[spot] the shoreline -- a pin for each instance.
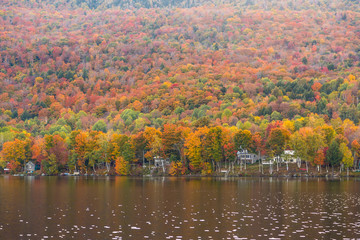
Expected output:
(251, 171)
(294, 176)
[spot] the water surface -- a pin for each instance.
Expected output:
(178, 208)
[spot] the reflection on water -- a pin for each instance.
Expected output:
(178, 208)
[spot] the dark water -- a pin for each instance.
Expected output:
(178, 208)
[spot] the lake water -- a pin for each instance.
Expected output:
(178, 208)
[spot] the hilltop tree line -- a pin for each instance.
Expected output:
(331, 5)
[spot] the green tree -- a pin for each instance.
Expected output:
(100, 126)
(333, 154)
(304, 60)
(214, 146)
(275, 116)
(277, 141)
(50, 165)
(243, 140)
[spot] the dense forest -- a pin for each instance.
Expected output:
(92, 85)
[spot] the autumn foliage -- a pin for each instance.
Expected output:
(87, 86)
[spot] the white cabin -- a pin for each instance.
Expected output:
(287, 157)
(160, 162)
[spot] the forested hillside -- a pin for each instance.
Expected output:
(88, 72)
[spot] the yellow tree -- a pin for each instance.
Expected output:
(306, 143)
(347, 159)
(16, 153)
(328, 133)
(81, 149)
(154, 143)
(194, 144)
(288, 125)
(122, 166)
(193, 151)
(355, 147)
(176, 168)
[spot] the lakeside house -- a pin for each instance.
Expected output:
(287, 157)
(161, 162)
(244, 155)
(29, 167)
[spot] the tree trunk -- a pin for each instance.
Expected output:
(233, 165)
(108, 167)
(259, 161)
(259, 166)
(143, 158)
